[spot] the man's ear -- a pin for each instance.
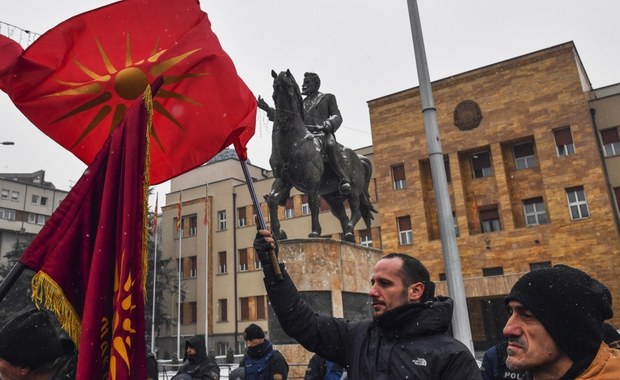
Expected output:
(415, 292)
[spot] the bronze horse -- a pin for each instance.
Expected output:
(298, 160)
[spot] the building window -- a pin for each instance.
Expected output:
(221, 348)
(192, 225)
(495, 271)
(366, 238)
(188, 313)
(289, 209)
(577, 203)
(244, 304)
(4, 194)
(14, 196)
(222, 310)
(564, 141)
(534, 210)
(442, 276)
(446, 164)
(7, 214)
(257, 264)
(36, 219)
(221, 262)
(540, 265)
(405, 233)
(305, 206)
(221, 220)
(261, 310)
(243, 260)
(611, 141)
(481, 164)
(490, 219)
(524, 155)
(398, 177)
(34, 200)
(193, 267)
(323, 205)
(241, 220)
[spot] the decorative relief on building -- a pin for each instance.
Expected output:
(467, 115)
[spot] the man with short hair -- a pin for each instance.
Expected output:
(555, 326)
(405, 339)
(199, 365)
(262, 361)
(323, 118)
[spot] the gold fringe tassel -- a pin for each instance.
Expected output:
(148, 104)
(47, 293)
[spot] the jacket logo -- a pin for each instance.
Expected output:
(419, 361)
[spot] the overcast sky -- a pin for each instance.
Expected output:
(361, 49)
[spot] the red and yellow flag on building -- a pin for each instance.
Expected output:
(77, 80)
(90, 257)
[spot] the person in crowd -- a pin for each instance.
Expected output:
(323, 118)
(555, 327)
(611, 336)
(405, 339)
(262, 361)
(198, 366)
(494, 364)
(31, 349)
(152, 370)
(321, 369)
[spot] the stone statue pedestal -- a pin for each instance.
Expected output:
(334, 277)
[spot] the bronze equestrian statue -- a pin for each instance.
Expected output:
(299, 159)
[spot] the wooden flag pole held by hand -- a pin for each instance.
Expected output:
(260, 220)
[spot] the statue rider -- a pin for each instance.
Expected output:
(321, 116)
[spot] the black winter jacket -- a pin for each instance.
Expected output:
(200, 366)
(406, 342)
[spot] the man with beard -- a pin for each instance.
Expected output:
(405, 339)
(261, 361)
(555, 326)
(199, 366)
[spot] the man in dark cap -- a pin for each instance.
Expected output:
(262, 361)
(555, 326)
(199, 365)
(30, 349)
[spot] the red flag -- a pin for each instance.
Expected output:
(179, 213)
(76, 81)
(90, 256)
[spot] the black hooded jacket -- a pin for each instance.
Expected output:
(199, 366)
(407, 342)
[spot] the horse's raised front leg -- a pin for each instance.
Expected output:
(336, 206)
(278, 195)
(313, 202)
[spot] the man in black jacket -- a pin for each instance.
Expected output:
(405, 339)
(262, 361)
(199, 366)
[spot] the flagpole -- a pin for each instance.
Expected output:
(154, 273)
(206, 224)
(449, 246)
(180, 232)
(260, 219)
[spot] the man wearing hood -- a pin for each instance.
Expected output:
(198, 366)
(405, 339)
(261, 361)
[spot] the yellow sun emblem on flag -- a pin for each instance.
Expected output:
(128, 84)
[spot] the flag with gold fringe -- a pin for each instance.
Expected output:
(90, 257)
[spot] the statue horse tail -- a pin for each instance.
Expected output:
(365, 205)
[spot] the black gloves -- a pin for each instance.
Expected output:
(262, 248)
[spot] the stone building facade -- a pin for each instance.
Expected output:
(526, 179)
